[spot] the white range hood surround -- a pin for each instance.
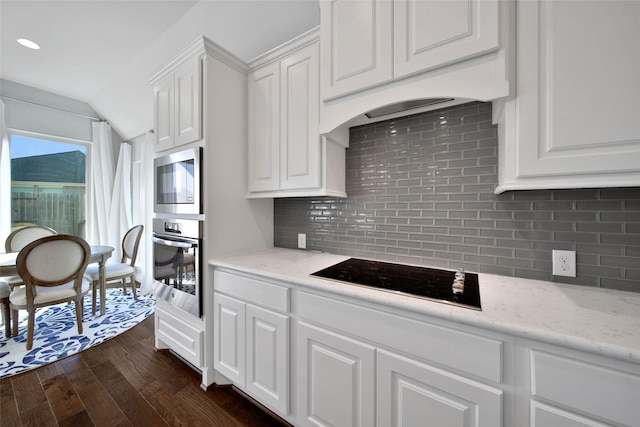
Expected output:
(471, 80)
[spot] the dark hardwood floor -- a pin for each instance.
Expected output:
(123, 382)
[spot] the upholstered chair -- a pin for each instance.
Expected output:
(52, 270)
(123, 270)
(20, 238)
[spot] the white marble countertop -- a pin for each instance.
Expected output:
(594, 320)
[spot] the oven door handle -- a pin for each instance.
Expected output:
(174, 243)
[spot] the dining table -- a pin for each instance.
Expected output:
(99, 254)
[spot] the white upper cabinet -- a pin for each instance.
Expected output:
(434, 33)
(178, 106)
(299, 138)
(356, 45)
(264, 129)
(371, 42)
(287, 155)
(574, 120)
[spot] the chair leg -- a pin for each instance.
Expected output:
(6, 316)
(94, 291)
(133, 287)
(79, 313)
(30, 326)
(14, 315)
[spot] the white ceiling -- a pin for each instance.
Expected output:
(103, 52)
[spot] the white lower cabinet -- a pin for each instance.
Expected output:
(412, 393)
(320, 359)
(351, 371)
(565, 388)
(336, 379)
(251, 343)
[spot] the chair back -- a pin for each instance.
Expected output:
(21, 237)
(53, 261)
(130, 243)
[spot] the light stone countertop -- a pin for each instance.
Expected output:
(594, 320)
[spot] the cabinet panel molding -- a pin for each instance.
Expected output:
(410, 392)
(431, 34)
(335, 379)
(356, 45)
(585, 387)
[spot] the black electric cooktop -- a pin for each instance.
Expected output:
(429, 283)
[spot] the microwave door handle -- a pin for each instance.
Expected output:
(173, 243)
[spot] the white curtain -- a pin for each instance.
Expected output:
(5, 179)
(102, 172)
(120, 218)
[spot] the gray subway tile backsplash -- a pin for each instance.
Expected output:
(421, 192)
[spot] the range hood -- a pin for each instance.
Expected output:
(478, 79)
(404, 107)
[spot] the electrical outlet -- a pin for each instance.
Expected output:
(564, 263)
(302, 241)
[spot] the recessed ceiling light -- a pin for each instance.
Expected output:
(28, 43)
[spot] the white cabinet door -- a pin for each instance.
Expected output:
(433, 33)
(411, 393)
(229, 338)
(268, 357)
(336, 384)
(188, 102)
(264, 129)
(300, 103)
(574, 121)
(164, 123)
(356, 39)
(178, 106)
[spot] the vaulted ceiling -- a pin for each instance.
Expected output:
(103, 52)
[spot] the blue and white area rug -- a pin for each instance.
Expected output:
(56, 333)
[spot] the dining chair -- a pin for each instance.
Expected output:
(52, 269)
(123, 270)
(20, 238)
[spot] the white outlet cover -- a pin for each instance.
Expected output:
(564, 263)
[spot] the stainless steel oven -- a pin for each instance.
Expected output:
(177, 259)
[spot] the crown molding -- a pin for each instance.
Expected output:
(303, 40)
(200, 46)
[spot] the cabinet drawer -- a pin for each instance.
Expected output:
(585, 387)
(254, 291)
(460, 350)
(184, 339)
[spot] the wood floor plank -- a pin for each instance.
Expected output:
(6, 391)
(157, 368)
(38, 416)
(62, 397)
(171, 410)
(9, 414)
(50, 370)
(136, 374)
(134, 406)
(80, 419)
(28, 391)
(98, 402)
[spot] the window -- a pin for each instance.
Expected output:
(48, 183)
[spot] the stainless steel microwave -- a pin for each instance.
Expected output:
(178, 182)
